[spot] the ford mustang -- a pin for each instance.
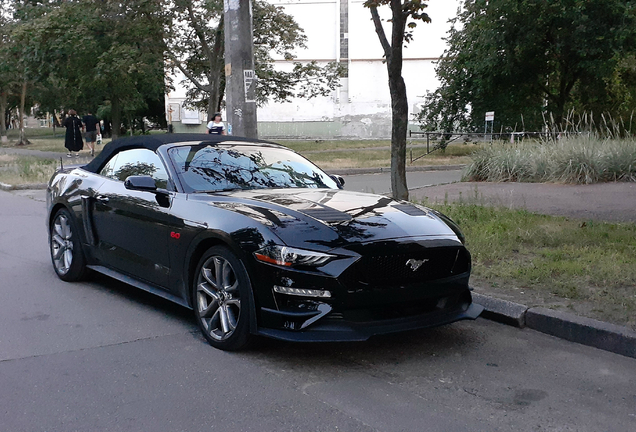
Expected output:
(257, 240)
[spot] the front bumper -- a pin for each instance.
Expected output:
(339, 330)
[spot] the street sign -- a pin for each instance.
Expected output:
(490, 116)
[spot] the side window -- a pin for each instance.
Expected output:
(137, 162)
(108, 170)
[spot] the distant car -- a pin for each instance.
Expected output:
(257, 240)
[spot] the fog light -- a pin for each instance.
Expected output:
(302, 292)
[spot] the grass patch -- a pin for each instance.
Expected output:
(49, 144)
(577, 160)
(363, 158)
(588, 267)
(17, 170)
(320, 145)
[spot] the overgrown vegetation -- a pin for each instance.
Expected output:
(16, 170)
(578, 159)
(588, 267)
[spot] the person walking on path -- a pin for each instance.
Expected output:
(216, 126)
(73, 140)
(90, 131)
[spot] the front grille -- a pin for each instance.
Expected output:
(408, 268)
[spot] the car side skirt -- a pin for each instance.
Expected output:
(139, 284)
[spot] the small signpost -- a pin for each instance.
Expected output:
(490, 117)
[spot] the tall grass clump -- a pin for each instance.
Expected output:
(578, 159)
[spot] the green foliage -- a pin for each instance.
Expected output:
(577, 159)
(81, 54)
(591, 261)
(195, 46)
(525, 58)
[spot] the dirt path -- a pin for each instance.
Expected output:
(614, 202)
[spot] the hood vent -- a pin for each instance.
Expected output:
(410, 210)
(326, 214)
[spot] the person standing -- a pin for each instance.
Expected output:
(73, 140)
(90, 131)
(216, 126)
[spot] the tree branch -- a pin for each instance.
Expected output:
(200, 32)
(192, 78)
(380, 31)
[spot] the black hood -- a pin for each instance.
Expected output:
(330, 217)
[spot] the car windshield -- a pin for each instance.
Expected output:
(206, 168)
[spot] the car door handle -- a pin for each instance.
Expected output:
(102, 198)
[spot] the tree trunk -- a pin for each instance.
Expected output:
(3, 116)
(399, 104)
(115, 113)
(216, 69)
(23, 140)
(399, 127)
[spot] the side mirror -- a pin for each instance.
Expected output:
(338, 179)
(140, 183)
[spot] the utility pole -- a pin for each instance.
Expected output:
(239, 69)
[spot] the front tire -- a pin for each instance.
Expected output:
(67, 255)
(222, 296)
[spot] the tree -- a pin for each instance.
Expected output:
(526, 59)
(401, 33)
(195, 46)
(86, 53)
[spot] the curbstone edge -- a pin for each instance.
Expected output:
(9, 187)
(586, 331)
(502, 311)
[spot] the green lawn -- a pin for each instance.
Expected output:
(584, 266)
(17, 170)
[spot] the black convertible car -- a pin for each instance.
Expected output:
(257, 240)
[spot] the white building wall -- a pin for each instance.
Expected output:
(362, 106)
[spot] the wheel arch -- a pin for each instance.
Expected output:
(56, 207)
(197, 249)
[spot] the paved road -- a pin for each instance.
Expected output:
(381, 183)
(101, 356)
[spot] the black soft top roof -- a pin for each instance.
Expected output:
(153, 142)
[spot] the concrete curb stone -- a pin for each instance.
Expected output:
(574, 328)
(9, 187)
(502, 311)
(587, 331)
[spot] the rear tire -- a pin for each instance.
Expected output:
(67, 255)
(222, 299)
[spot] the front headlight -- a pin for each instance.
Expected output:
(289, 256)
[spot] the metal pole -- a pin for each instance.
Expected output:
(239, 69)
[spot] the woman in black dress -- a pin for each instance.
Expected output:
(73, 141)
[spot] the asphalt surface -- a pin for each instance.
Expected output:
(102, 356)
(381, 183)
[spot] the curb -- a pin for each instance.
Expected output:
(574, 328)
(357, 171)
(28, 186)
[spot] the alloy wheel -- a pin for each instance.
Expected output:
(62, 244)
(218, 299)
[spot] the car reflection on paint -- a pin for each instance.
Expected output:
(257, 241)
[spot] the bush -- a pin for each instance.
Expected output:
(580, 159)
